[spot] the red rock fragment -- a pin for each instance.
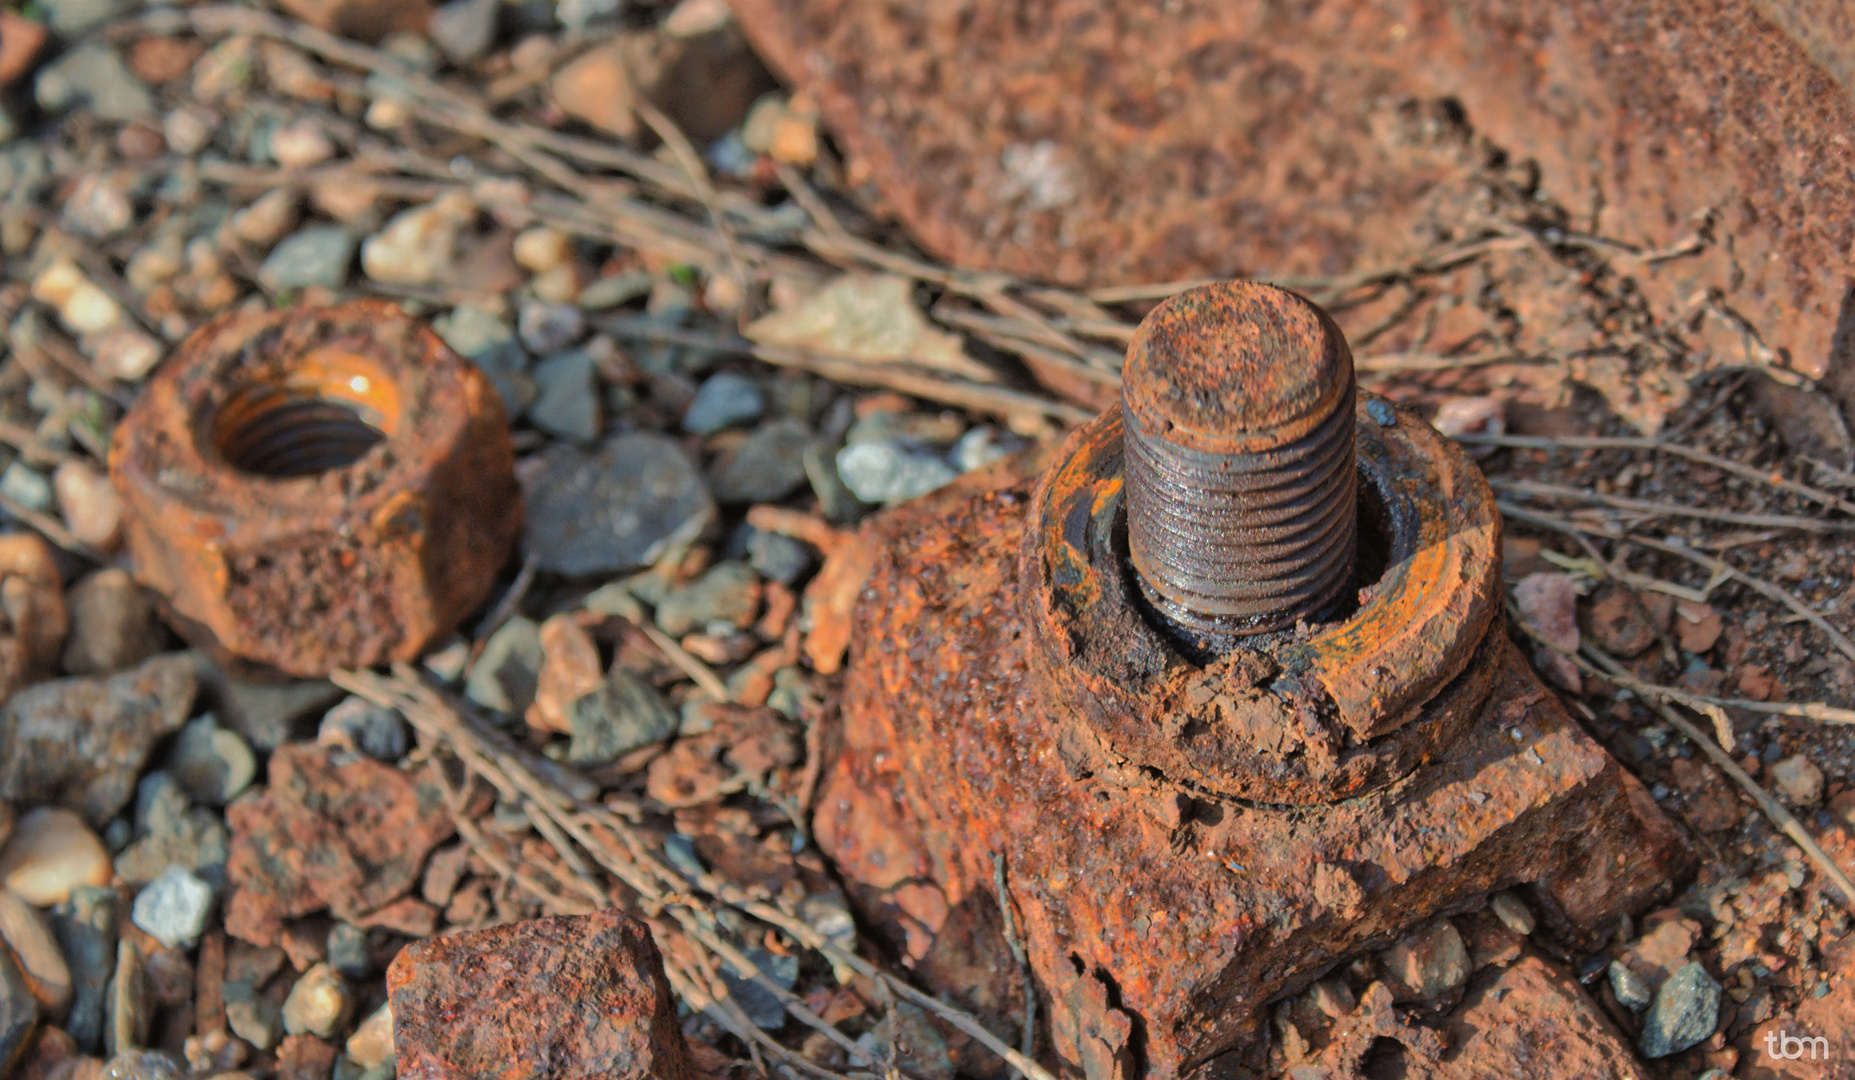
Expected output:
(305, 1057)
(569, 998)
(1532, 1023)
(349, 834)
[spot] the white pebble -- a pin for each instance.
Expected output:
(51, 852)
(172, 908)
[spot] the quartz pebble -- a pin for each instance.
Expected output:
(1513, 913)
(541, 249)
(419, 246)
(1428, 964)
(269, 217)
(1798, 780)
(51, 852)
(126, 353)
(300, 145)
(317, 1003)
(88, 503)
(81, 304)
(172, 908)
(371, 1045)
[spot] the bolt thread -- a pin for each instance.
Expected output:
(1240, 528)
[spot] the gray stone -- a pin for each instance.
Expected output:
(143, 1065)
(19, 1013)
(548, 328)
(79, 743)
(780, 558)
(767, 467)
(729, 592)
(172, 908)
(349, 952)
(613, 509)
(982, 446)
(762, 1005)
(268, 714)
(93, 72)
(724, 400)
(358, 725)
(608, 292)
(252, 1016)
(26, 486)
(1686, 1010)
(319, 256)
(624, 714)
(86, 926)
(487, 341)
(836, 501)
(172, 832)
(567, 402)
(465, 29)
(1428, 964)
(883, 472)
(113, 624)
(507, 670)
(1630, 990)
(211, 763)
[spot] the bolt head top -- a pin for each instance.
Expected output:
(1236, 367)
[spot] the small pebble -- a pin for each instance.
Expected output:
(724, 400)
(982, 446)
(26, 486)
(348, 952)
(300, 145)
(465, 29)
(51, 852)
(506, 671)
(172, 908)
(1686, 1010)
(1427, 964)
(1630, 990)
(126, 353)
(729, 592)
(88, 502)
(187, 130)
(567, 398)
(211, 763)
(548, 328)
(35, 948)
(143, 1065)
(780, 558)
(883, 472)
(252, 1016)
(371, 1045)
(419, 246)
(267, 219)
(358, 725)
(113, 624)
(767, 467)
(82, 305)
(541, 249)
(1798, 779)
(1513, 913)
(317, 1003)
(622, 715)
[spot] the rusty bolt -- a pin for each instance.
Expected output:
(318, 488)
(1237, 407)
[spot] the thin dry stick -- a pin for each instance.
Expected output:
(1028, 1042)
(1808, 710)
(1657, 507)
(691, 162)
(1581, 442)
(1773, 809)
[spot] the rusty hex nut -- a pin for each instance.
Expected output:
(316, 489)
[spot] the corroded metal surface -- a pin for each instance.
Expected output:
(1161, 917)
(317, 489)
(1104, 143)
(1237, 412)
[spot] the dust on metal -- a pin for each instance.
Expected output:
(318, 488)
(1237, 415)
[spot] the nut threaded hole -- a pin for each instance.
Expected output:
(324, 415)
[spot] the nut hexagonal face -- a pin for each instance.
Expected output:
(319, 488)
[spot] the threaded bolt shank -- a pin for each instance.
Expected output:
(1237, 414)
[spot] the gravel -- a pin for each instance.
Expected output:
(172, 909)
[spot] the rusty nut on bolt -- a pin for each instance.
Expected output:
(317, 489)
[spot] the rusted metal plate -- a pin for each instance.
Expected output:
(1109, 141)
(1159, 918)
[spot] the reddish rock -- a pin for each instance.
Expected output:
(363, 20)
(349, 834)
(305, 1057)
(20, 41)
(1830, 1017)
(1616, 619)
(1532, 1023)
(569, 998)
